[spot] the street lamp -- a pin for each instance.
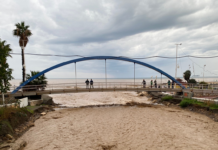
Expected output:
(176, 59)
(3, 96)
(203, 72)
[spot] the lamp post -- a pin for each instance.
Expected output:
(176, 59)
(203, 72)
(3, 96)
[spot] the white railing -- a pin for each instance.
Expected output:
(110, 85)
(80, 85)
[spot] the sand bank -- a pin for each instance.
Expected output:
(122, 128)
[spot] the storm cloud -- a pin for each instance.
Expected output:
(138, 28)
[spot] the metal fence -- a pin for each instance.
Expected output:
(110, 85)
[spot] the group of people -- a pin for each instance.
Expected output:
(155, 83)
(172, 84)
(89, 83)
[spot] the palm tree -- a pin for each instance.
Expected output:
(187, 75)
(38, 83)
(23, 33)
(5, 71)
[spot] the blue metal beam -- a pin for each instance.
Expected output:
(98, 58)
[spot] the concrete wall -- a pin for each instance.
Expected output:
(23, 102)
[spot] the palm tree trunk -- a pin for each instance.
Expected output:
(23, 64)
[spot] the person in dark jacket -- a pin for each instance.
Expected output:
(144, 83)
(91, 84)
(87, 83)
(173, 84)
(155, 83)
(151, 83)
(168, 83)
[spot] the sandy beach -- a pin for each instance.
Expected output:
(120, 127)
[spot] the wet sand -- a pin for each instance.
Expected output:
(122, 128)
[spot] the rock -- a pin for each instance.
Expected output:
(150, 99)
(4, 138)
(18, 145)
(47, 99)
(16, 130)
(5, 146)
(168, 104)
(1, 140)
(31, 124)
(23, 144)
(11, 141)
(24, 128)
(43, 113)
(9, 136)
(154, 101)
(35, 102)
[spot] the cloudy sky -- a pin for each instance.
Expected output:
(138, 28)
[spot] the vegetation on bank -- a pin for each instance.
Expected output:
(192, 102)
(10, 118)
(5, 71)
(167, 98)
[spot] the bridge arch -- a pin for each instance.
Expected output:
(98, 58)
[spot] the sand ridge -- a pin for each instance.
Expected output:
(122, 128)
(132, 128)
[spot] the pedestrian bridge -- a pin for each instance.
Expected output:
(25, 90)
(105, 87)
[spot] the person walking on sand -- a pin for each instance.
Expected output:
(155, 83)
(91, 84)
(87, 83)
(151, 83)
(168, 84)
(144, 83)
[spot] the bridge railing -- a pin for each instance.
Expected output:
(203, 86)
(104, 85)
(109, 85)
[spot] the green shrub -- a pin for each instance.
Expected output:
(167, 98)
(192, 81)
(185, 103)
(213, 106)
(10, 118)
(202, 82)
(189, 102)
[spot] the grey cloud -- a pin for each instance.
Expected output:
(137, 28)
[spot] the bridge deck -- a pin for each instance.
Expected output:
(61, 91)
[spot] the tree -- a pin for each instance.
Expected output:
(5, 71)
(23, 33)
(187, 75)
(40, 81)
(192, 81)
(202, 82)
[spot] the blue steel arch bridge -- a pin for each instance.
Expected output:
(103, 87)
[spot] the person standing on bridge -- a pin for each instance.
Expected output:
(155, 83)
(91, 84)
(144, 83)
(87, 83)
(173, 84)
(168, 83)
(151, 83)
